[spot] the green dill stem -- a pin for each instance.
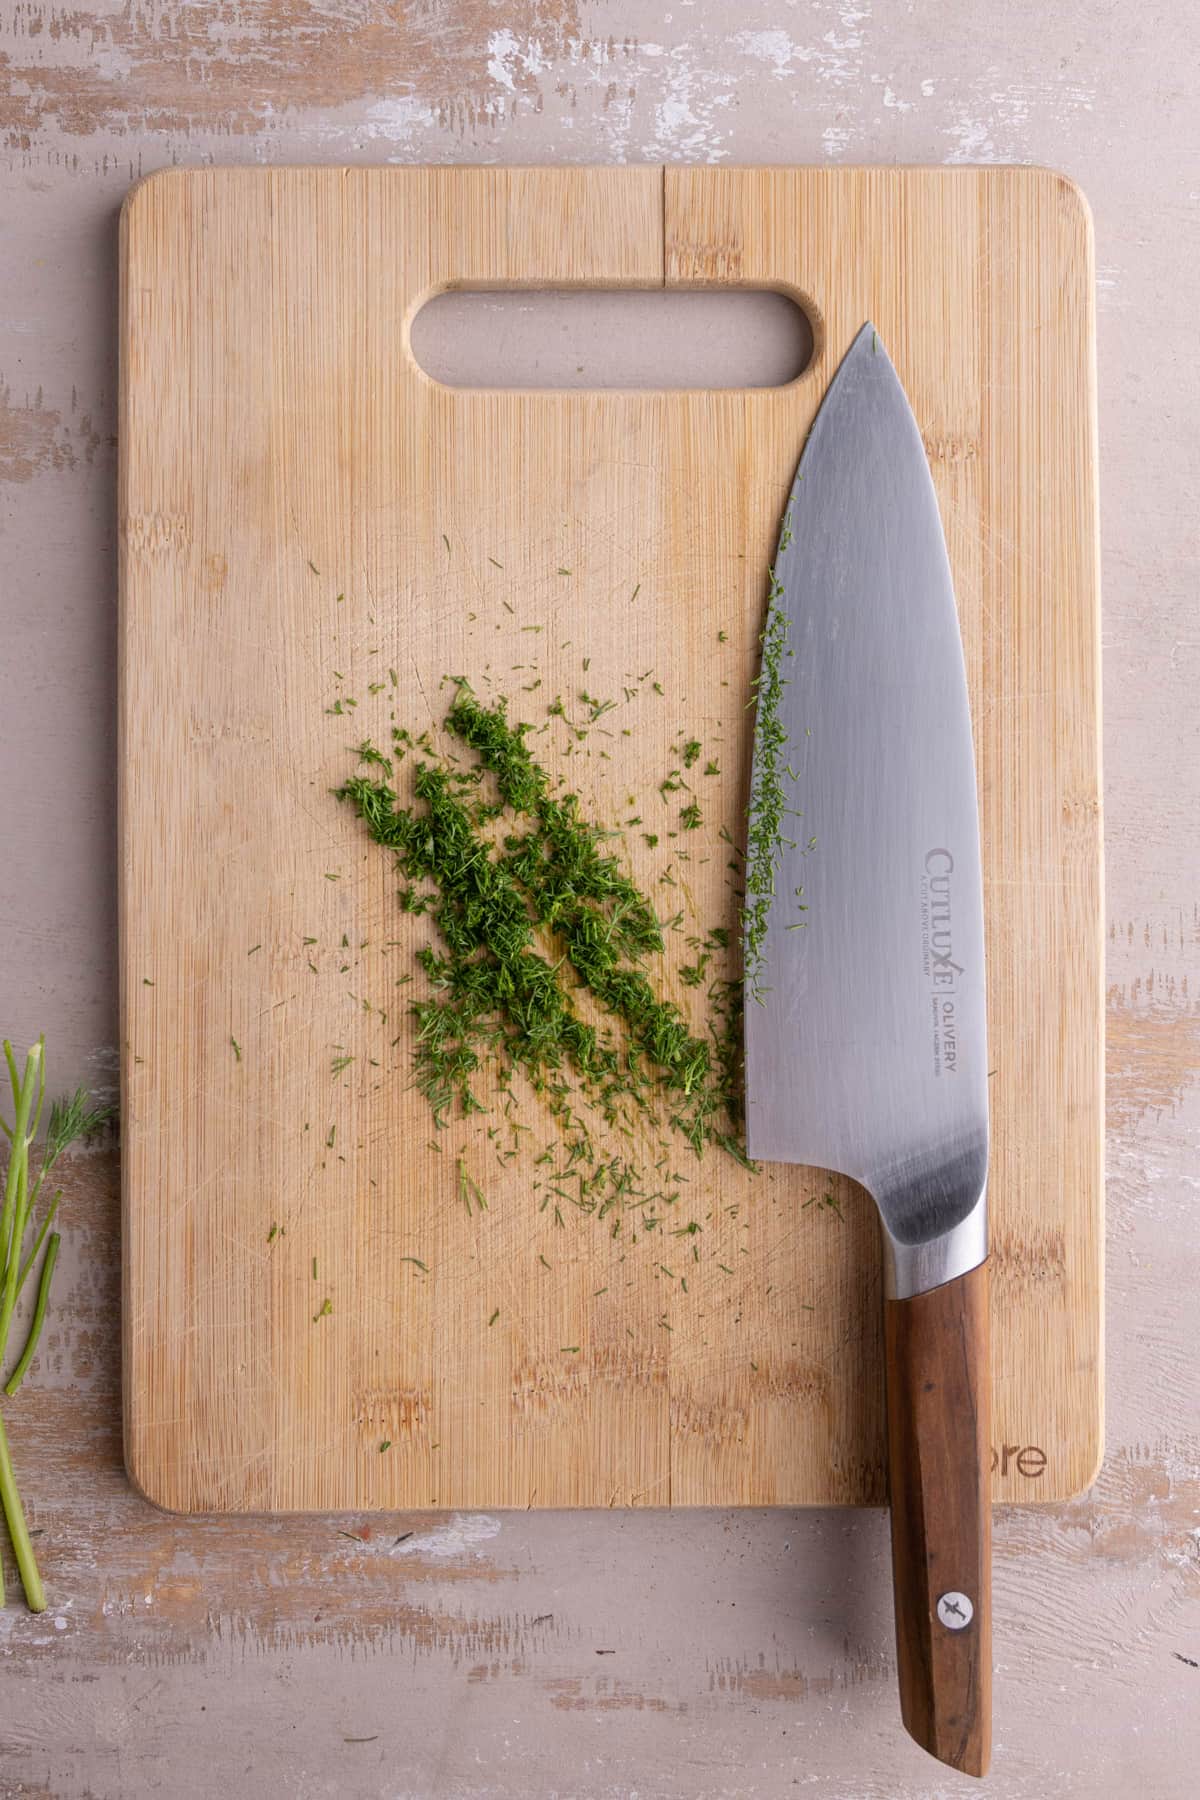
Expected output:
(70, 1118)
(14, 1512)
(39, 1313)
(16, 1189)
(38, 1241)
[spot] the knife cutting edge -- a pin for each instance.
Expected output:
(865, 1028)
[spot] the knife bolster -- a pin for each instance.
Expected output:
(917, 1268)
(938, 1409)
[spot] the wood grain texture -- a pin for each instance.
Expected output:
(939, 1450)
(302, 511)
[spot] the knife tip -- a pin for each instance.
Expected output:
(868, 341)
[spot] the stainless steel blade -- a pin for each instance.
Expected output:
(866, 1052)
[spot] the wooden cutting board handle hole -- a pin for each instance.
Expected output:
(612, 338)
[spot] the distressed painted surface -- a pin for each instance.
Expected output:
(622, 1654)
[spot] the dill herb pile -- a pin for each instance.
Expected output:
(540, 965)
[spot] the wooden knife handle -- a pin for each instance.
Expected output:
(939, 1462)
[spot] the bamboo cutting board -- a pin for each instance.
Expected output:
(313, 1318)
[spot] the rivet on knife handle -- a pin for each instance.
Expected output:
(939, 1467)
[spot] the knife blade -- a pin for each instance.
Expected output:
(865, 1027)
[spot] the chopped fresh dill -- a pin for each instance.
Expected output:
(541, 960)
(827, 1202)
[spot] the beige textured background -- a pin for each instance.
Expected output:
(593, 1655)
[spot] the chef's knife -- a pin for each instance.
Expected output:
(865, 1025)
